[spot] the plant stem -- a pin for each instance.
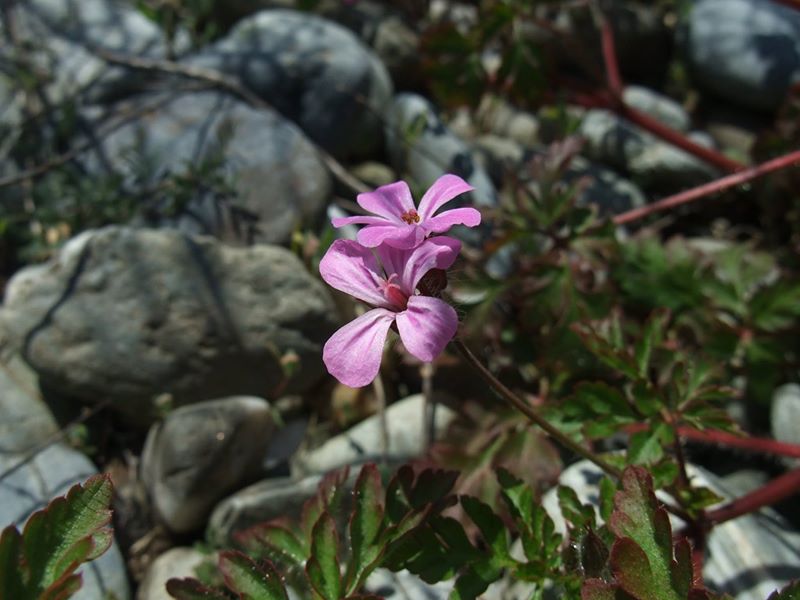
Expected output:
(532, 415)
(787, 160)
(723, 438)
(774, 491)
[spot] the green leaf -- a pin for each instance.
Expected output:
(607, 346)
(323, 566)
(642, 555)
(601, 409)
(275, 541)
(250, 580)
(365, 524)
(647, 447)
(651, 337)
(575, 513)
(71, 530)
(328, 497)
(191, 589)
(490, 525)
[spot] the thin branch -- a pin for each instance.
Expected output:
(613, 77)
(787, 160)
(776, 490)
(795, 4)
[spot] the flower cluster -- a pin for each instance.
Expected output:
(384, 268)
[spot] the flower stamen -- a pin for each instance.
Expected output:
(410, 216)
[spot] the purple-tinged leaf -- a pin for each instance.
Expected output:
(250, 580)
(191, 589)
(11, 584)
(323, 566)
(365, 525)
(328, 496)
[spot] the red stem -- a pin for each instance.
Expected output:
(613, 76)
(676, 138)
(724, 438)
(787, 160)
(776, 490)
(795, 4)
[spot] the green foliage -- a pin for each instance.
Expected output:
(42, 561)
(644, 564)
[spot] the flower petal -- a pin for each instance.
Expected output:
(457, 216)
(358, 220)
(353, 353)
(351, 268)
(389, 201)
(439, 252)
(443, 190)
(398, 236)
(426, 326)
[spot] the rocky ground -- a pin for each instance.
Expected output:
(192, 331)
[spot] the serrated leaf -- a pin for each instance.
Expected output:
(601, 409)
(490, 525)
(608, 348)
(323, 566)
(328, 497)
(274, 541)
(577, 514)
(642, 555)
(250, 580)
(71, 530)
(431, 486)
(365, 525)
(191, 589)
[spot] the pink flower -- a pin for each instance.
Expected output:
(425, 324)
(399, 223)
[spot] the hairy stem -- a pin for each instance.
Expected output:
(531, 414)
(713, 187)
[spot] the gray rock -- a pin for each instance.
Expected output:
(25, 419)
(499, 155)
(405, 586)
(177, 562)
(131, 314)
(201, 452)
(48, 474)
(276, 177)
(374, 174)
(611, 193)
(785, 414)
(419, 144)
(658, 106)
(747, 51)
(66, 33)
(262, 501)
(363, 442)
(652, 163)
(312, 70)
(748, 557)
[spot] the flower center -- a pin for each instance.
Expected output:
(393, 293)
(410, 216)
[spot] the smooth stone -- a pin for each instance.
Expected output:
(257, 503)
(25, 418)
(609, 191)
(418, 143)
(662, 108)
(374, 174)
(616, 142)
(785, 415)
(312, 70)
(133, 314)
(499, 155)
(179, 562)
(201, 452)
(363, 442)
(276, 176)
(748, 557)
(498, 116)
(746, 51)
(51, 473)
